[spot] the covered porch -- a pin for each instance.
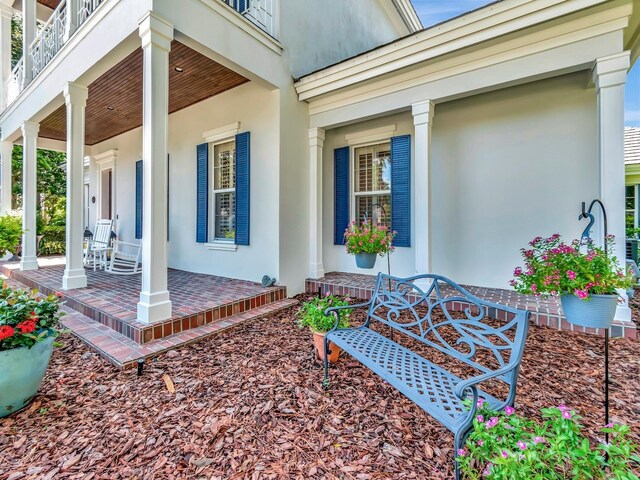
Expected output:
(104, 314)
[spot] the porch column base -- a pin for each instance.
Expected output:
(74, 279)
(316, 270)
(154, 307)
(29, 263)
(623, 313)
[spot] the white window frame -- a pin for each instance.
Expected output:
(218, 243)
(352, 177)
(636, 214)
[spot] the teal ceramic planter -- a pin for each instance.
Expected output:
(366, 260)
(21, 373)
(597, 312)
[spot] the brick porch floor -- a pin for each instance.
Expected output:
(103, 315)
(546, 313)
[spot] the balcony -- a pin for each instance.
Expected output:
(62, 24)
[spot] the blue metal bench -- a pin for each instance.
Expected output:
(403, 306)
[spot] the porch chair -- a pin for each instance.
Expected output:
(98, 246)
(125, 258)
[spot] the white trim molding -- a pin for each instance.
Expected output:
(222, 246)
(373, 135)
(221, 133)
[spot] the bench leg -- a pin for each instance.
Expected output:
(459, 440)
(325, 382)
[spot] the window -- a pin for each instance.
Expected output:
(224, 191)
(372, 183)
(630, 206)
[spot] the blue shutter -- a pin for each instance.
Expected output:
(341, 191)
(202, 193)
(243, 157)
(241, 5)
(401, 190)
(139, 199)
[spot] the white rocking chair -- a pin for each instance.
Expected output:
(98, 247)
(125, 258)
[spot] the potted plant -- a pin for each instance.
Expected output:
(507, 445)
(28, 327)
(584, 276)
(10, 235)
(367, 240)
(312, 315)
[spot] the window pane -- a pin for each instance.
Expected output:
(373, 168)
(224, 171)
(225, 215)
(368, 207)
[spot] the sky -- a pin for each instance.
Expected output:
(436, 11)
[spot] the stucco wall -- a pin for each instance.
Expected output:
(506, 166)
(256, 109)
(319, 33)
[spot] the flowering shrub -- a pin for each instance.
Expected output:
(26, 319)
(10, 234)
(504, 445)
(312, 315)
(368, 238)
(554, 268)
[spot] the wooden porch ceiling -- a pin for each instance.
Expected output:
(49, 3)
(114, 105)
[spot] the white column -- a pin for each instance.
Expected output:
(316, 142)
(422, 121)
(76, 99)
(156, 36)
(29, 195)
(28, 35)
(71, 20)
(6, 149)
(6, 12)
(609, 77)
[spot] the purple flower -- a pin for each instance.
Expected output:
(480, 402)
(494, 421)
(566, 414)
(487, 471)
(509, 410)
(538, 440)
(610, 425)
(480, 443)
(505, 454)
(562, 407)
(462, 452)
(327, 294)
(522, 445)
(480, 418)
(571, 275)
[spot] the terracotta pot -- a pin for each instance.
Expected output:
(318, 341)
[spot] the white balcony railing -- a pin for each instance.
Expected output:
(258, 12)
(50, 39)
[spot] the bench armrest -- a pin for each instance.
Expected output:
(335, 312)
(471, 383)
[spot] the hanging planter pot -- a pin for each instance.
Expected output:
(597, 312)
(366, 260)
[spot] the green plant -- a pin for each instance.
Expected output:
(26, 318)
(554, 268)
(10, 234)
(312, 315)
(54, 240)
(633, 232)
(504, 445)
(368, 238)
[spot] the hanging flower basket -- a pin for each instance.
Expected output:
(367, 240)
(584, 276)
(597, 312)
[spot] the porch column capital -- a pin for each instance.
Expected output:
(75, 94)
(611, 71)
(156, 31)
(316, 137)
(6, 9)
(30, 129)
(422, 112)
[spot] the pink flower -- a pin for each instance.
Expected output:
(610, 425)
(480, 418)
(480, 443)
(505, 454)
(487, 471)
(517, 272)
(509, 410)
(566, 414)
(581, 294)
(538, 440)
(522, 445)
(571, 274)
(480, 402)
(462, 452)
(534, 288)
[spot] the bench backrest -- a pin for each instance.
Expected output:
(400, 304)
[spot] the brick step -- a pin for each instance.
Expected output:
(124, 353)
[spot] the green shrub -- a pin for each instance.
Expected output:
(10, 234)
(54, 240)
(312, 315)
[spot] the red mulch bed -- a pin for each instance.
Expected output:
(248, 404)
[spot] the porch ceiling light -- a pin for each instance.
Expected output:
(179, 69)
(111, 108)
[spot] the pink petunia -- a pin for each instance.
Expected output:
(509, 410)
(522, 445)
